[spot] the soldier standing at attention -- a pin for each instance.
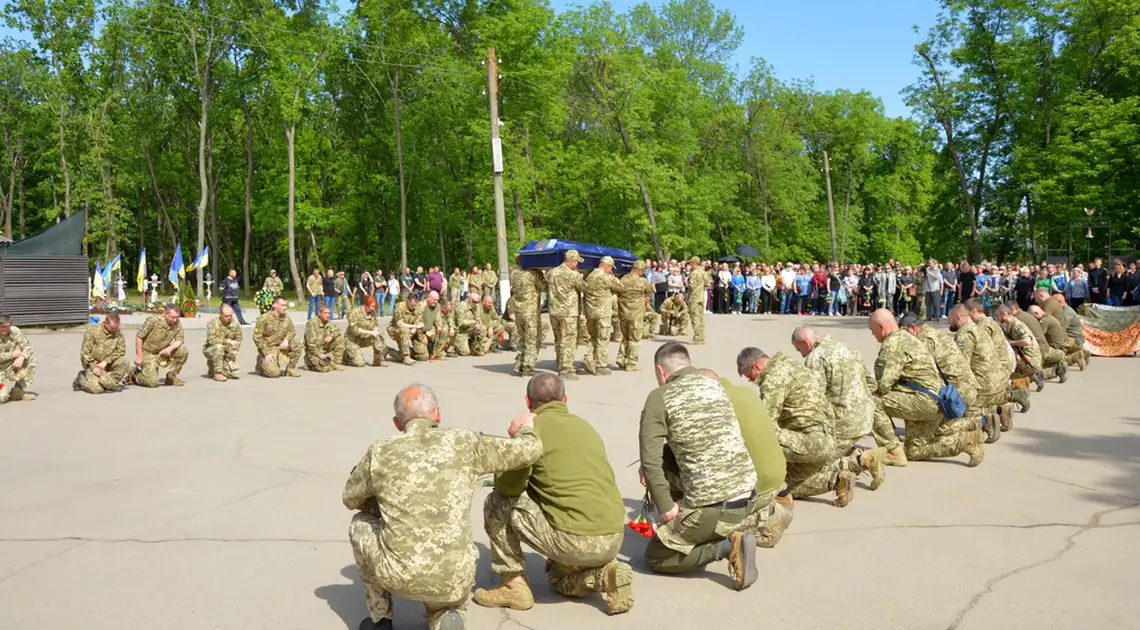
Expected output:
(902, 360)
(989, 372)
(103, 357)
(406, 328)
(343, 295)
(566, 506)
(223, 340)
(633, 299)
(454, 284)
(364, 332)
(324, 343)
(159, 344)
(411, 534)
(490, 284)
(693, 417)
(699, 281)
(527, 287)
(565, 284)
(600, 287)
(276, 343)
(273, 284)
(849, 389)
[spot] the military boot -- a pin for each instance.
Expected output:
(221, 378)
(292, 372)
(1039, 380)
(604, 371)
(75, 384)
(991, 427)
(513, 592)
(896, 457)
(1062, 372)
(972, 446)
(844, 489)
(368, 624)
(742, 559)
(336, 367)
(1021, 397)
(773, 529)
(1006, 417)
(174, 381)
(617, 584)
(872, 461)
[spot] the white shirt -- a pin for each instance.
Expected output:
(788, 277)
(768, 281)
(393, 286)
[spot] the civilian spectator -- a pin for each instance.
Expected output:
(1023, 289)
(1118, 289)
(949, 288)
(932, 287)
(1077, 289)
(230, 288)
(328, 285)
(737, 290)
(660, 284)
(768, 299)
(394, 290)
(367, 287)
(787, 289)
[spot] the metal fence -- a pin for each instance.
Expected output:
(40, 290)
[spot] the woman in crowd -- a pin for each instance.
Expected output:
(768, 282)
(393, 293)
(1077, 289)
(1118, 289)
(834, 286)
(737, 290)
(908, 291)
(366, 286)
(851, 286)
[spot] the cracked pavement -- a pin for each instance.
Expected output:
(217, 506)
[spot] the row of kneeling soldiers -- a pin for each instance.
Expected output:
(720, 464)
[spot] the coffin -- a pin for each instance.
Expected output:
(548, 254)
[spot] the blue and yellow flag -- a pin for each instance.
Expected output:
(140, 277)
(116, 263)
(201, 261)
(177, 269)
(99, 269)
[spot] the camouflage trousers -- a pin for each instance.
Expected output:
(148, 369)
(630, 345)
(354, 349)
(335, 350)
(565, 340)
(364, 534)
(1024, 368)
(697, 313)
(883, 430)
(25, 374)
(411, 345)
(986, 407)
(270, 365)
(674, 324)
(813, 479)
(691, 540)
(598, 350)
(577, 563)
(512, 331)
(928, 433)
(583, 331)
(221, 358)
(343, 305)
(1050, 359)
(526, 331)
(647, 323)
(111, 377)
(615, 328)
(1072, 345)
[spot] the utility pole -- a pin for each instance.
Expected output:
(830, 207)
(497, 177)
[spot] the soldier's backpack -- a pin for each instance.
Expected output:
(949, 399)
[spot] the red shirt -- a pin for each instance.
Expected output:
(819, 278)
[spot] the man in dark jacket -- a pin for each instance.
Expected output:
(230, 289)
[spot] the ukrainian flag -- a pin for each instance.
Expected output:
(201, 261)
(116, 263)
(140, 278)
(177, 269)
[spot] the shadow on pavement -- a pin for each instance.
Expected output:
(536, 575)
(346, 600)
(1121, 450)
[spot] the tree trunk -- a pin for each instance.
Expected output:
(290, 134)
(21, 204)
(644, 191)
(158, 197)
(214, 242)
(62, 139)
(248, 197)
(394, 80)
(10, 203)
(846, 209)
(442, 249)
(203, 183)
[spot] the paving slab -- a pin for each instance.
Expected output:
(217, 505)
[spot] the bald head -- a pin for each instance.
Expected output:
(415, 401)
(1041, 295)
(804, 339)
(882, 323)
(1036, 311)
(958, 316)
(543, 389)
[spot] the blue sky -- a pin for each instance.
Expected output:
(853, 44)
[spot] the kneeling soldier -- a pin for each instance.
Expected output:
(276, 341)
(364, 332)
(324, 343)
(104, 358)
(223, 340)
(159, 345)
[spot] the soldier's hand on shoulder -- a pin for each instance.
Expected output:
(525, 420)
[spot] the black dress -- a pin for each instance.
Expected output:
(1023, 291)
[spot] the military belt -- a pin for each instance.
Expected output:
(732, 505)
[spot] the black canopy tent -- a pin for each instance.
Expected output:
(43, 278)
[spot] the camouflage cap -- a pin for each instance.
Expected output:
(696, 260)
(572, 255)
(607, 260)
(639, 264)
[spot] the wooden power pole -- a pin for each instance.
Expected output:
(497, 176)
(830, 207)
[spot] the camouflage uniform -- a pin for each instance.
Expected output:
(454, 283)
(490, 284)
(694, 417)
(805, 427)
(1039, 334)
(615, 320)
(952, 364)
(526, 288)
(632, 304)
(157, 335)
(412, 534)
(270, 330)
(509, 327)
(410, 342)
(464, 319)
(434, 332)
(997, 335)
(355, 339)
(600, 287)
(699, 280)
(221, 355)
(904, 358)
(648, 322)
(849, 389)
(1075, 346)
(564, 286)
(675, 318)
(1053, 353)
(100, 346)
(316, 331)
(1029, 357)
(987, 364)
(343, 297)
(273, 285)
(448, 327)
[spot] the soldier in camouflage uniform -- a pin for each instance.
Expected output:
(600, 287)
(411, 534)
(805, 428)
(324, 343)
(435, 328)
(988, 367)
(103, 357)
(527, 287)
(490, 284)
(464, 318)
(223, 340)
(615, 320)
(693, 416)
(406, 329)
(454, 284)
(850, 390)
(509, 327)
(1024, 344)
(633, 300)
(364, 332)
(948, 358)
(648, 321)
(1075, 347)
(276, 341)
(579, 531)
(674, 316)
(273, 284)
(487, 320)
(1052, 305)
(449, 326)
(699, 281)
(1053, 362)
(902, 360)
(565, 285)
(158, 344)
(343, 295)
